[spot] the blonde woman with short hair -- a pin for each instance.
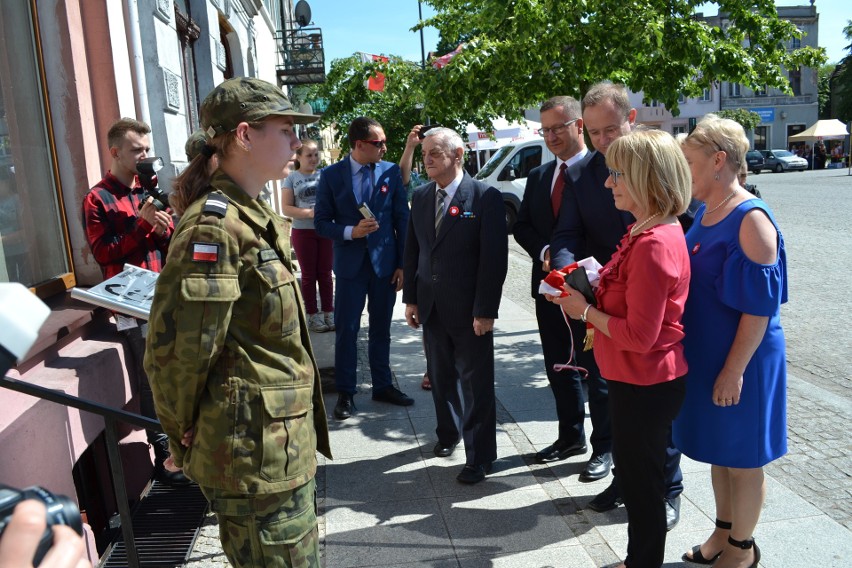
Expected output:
(734, 415)
(637, 328)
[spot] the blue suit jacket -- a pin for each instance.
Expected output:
(461, 270)
(589, 224)
(336, 209)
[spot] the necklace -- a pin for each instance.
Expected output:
(721, 203)
(635, 229)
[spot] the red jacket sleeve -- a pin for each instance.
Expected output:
(108, 245)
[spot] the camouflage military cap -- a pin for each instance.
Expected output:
(245, 99)
(195, 144)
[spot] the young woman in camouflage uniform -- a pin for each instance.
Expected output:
(234, 378)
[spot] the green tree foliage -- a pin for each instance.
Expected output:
(748, 119)
(396, 107)
(519, 52)
(824, 89)
(842, 81)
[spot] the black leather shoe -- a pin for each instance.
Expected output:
(471, 474)
(597, 468)
(607, 500)
(171, 478)
(345, 406)
(557, 452)
(672, 512)
(443, 450)
(394, 396)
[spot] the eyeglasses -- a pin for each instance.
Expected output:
(614, 174)
(558, 129)
(376, 143)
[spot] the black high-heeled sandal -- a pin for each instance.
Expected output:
(745, 545)
(697, 557)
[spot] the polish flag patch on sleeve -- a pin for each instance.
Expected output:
(205, 252)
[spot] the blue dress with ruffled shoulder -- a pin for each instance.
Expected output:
(724, 285)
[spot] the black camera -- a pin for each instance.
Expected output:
(147, 171)
(60, 511)
(424, 129)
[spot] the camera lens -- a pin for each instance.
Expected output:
(60, 511)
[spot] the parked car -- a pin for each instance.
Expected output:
(755, 161)
(508, 168)
(783, 161)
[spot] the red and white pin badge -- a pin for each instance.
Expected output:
(384, 188)
(696, 248)
(454, 211)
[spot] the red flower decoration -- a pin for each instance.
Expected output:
(454, 211)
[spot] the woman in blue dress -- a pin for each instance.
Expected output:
(734, 415)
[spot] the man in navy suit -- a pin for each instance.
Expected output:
(590, 225)
(456, 258)
(562, 129)
(362, 206)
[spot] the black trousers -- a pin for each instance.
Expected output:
(641, 428)
(567, 385)
(461, 368)
(135, 355)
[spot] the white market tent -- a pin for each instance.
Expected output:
(504, 132)
(822, 130)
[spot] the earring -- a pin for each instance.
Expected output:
(716, 177)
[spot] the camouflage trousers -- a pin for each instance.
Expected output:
(278, 530)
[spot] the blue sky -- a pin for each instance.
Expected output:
(382, 26)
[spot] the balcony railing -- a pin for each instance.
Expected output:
(301, 58)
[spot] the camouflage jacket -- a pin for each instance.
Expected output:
(228, 350)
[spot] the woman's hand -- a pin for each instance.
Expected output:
(574, 304)
(186, 440)
(727, 389)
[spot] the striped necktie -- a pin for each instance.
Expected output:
(440, 196)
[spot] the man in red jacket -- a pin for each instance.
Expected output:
(122, 228)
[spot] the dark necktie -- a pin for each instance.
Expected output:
(366, 183)
(440, 196)
(558, 188)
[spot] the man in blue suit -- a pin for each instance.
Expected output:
(456, 257)
(362, 206)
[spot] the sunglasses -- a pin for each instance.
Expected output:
(376, 143)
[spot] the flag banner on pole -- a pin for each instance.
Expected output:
(441, 62)
(377, 81)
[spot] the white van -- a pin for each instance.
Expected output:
(508, 168)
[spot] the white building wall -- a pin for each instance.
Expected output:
(120, 57)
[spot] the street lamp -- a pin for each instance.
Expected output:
(422, 46)
(422, 50)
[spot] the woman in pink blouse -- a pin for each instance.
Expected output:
(637, 328)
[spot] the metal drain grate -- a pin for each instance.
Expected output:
(165, 525)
